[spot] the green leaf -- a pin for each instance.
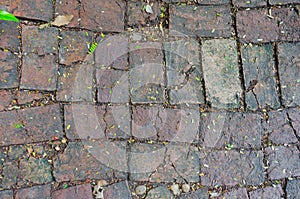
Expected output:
(6, 16)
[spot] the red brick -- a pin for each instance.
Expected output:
(65, 7)
(104, 15)
(24, 97)
(76, 192)
(9, 35)
(9, 76)
(32, 9)
(42, 192)
(6, 97)
(117, 190)
(203, 21)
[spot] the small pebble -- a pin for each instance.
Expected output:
(185, 188)
(175, 189)
(140, 190)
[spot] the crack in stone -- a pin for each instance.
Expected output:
(291, 125)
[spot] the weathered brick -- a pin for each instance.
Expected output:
(292, 189)
(294, 118)
(267, 192)
(235, 193)
(84, 121)
(65, 7)
(75, 83)
(33, 9)
(280, 2)
(146, 73)
(138, 16)
(28, 125)
(89, 160)
(198, 194)
(9, 35)
(183, 71)
(279, 128)
(105, 15)
(255, 26)
(159, 192)
(39, 72)
(232, 168)
(6, 97)
(74, 46)
(230, 130)
(212, 2)
(8, 70)
(117, 190)
(24, 97)
(112, 86)
(112, 52)
(203, 21)
(42, 192)
(259, 73)
(283, 161)
(10, 174)
(252, 3)
(8, 194)
(221, 73)
(289, 73)
(76, 192)
(177, 125)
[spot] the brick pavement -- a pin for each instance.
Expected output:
(181, 99)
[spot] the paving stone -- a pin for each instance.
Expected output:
(280, 2)
(230, 130)
(36, 9)
(65, 7)
(181, 165)
(4, 5)
(137, 14)
(16, 152)
(39, 41)
(75, 83)
(212, 2)
(43, 192)
(292, 189)
(176, 125)
(76, 192)
(28, 125)
(235, 193)
(144, 159)
(203, 21)
(146, 73)
(9, 35)
(10, 174)
(289, 73)
(112, 52)
(231, 168)
(6, 97)
(221, 73)
(249, 4)
(39, 72)
(112, 86)
(35, 171)
(79, 162)
(159, 192)
(8, 70)
(8, 194)
(283, 161)
(259, 75)
(117, 190)
(24, 97)
(267, 193)
(255, 26)
(294, 118)
(84, 121)
(279, 128)
(74, 46)
(109, 17)
(184, 76)
(118, 122)
(198, 194)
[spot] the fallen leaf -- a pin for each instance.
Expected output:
(62, 20)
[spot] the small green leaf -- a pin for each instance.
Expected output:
(18, 126)
(65, 186)
(6, 16)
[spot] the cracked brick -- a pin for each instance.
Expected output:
(203, 21)
(231, 168)
(259, 74)
(221, 73)
(284, 162)
(294, 119)
(65, 7)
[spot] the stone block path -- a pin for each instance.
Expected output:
(150, 99)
